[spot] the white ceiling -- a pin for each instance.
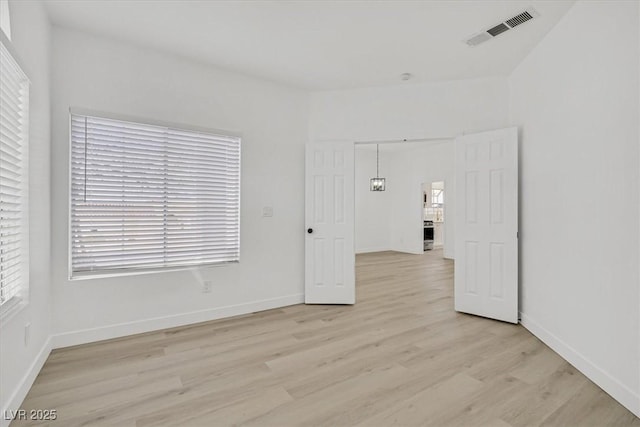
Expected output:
(322, 44)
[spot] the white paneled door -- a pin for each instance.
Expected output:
(329, 217)
(486, 224)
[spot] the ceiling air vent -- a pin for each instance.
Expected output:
(500, 28)
(519, 19)
(506, 25)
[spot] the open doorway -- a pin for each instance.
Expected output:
(484, 165)
(399, 231)
(433, 216)
(415, 175)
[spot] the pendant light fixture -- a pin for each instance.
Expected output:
(377, 183)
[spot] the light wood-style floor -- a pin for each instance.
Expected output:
(400, 356)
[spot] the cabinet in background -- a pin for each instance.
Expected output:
(438, 234)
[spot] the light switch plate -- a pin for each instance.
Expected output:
(267, 211)
(206, 286)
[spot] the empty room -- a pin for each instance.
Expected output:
(319, 213)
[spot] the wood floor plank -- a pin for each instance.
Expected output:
(400, 356)
(422, 407)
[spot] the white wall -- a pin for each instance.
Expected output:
(411, 111)
(20, 362)
(411, 168)
(372, 208)
(103, 75)
(576, 100)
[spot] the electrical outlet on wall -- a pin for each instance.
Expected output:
(206, 286)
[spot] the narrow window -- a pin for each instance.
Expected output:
(14, 216)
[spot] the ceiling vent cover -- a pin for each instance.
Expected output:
(500, 28)
(519, 19)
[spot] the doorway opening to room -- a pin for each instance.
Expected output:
(344, 196)
(399, 225)
(433, 206)
(406, 210)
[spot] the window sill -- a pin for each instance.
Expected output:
(143, 271)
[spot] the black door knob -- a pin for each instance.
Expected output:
(309, 230)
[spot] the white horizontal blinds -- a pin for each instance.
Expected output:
(14, 100)
(146, 197)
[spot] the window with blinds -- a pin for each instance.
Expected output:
(14, 118)
(147, 197)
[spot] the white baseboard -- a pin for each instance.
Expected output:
(409, 251)
(85, 336)
(15, 401)
(620, 392)
(369, 250)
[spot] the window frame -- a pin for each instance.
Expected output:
(19, 301)
(137, 271)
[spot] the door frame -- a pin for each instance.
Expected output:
(444, 213)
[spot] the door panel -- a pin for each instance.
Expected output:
(329, 213)
(486, 262)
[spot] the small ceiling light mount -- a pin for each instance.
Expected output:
(377, 183)
(405, 76)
